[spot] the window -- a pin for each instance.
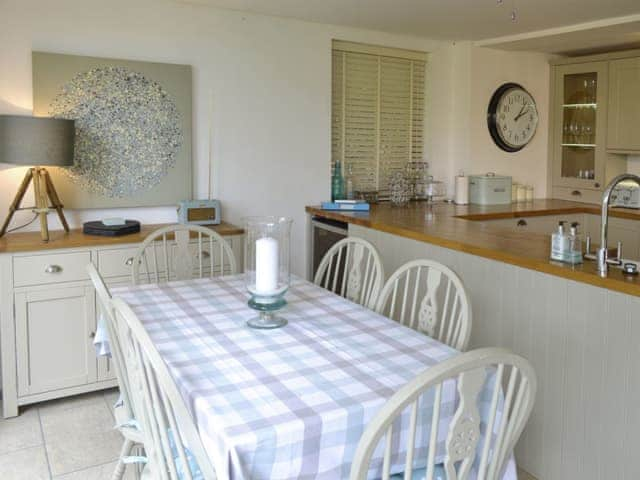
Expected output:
(377, 112)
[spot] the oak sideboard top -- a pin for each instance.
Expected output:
(31, 241)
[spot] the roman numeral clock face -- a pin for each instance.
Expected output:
(512, 117)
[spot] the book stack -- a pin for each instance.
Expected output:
(349, 205)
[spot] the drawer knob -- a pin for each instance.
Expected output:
(129, 261)
(92, 335)
(576, 193)
(522, 222)
(205, 254)
(53, 269)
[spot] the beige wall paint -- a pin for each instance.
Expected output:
(633, 164)
(464, 79)
(489, 69)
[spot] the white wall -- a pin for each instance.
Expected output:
(475, 75)
(270, 83)
(270, 80)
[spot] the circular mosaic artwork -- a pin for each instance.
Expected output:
(128, 130)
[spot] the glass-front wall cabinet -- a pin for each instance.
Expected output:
(580, 101)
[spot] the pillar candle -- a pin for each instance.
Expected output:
(267, 265)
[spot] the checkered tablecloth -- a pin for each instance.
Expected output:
(282, 404)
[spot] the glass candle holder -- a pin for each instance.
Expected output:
(267, 268)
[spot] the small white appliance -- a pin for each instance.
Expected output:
(626, 194)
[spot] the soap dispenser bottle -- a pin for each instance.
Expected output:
(559, 244)
(575, 245)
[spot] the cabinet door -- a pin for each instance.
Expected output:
(624, 105)
(54, 332)
(580, 113)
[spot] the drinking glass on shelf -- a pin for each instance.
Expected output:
(573, 128)
(588, 132)
(593, 88)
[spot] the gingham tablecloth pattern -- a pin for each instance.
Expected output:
(282, 404)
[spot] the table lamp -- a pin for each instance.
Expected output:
(37, 141)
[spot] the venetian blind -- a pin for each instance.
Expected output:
(377, 112)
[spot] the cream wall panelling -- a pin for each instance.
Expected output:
(584, 343)
(48, 317)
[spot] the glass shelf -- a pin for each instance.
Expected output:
(580, 105)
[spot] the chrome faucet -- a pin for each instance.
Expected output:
(602, 255)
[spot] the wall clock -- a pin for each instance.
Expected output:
(512, 117)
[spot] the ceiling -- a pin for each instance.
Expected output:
(439, 19)
(582, 39)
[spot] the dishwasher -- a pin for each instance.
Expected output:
(324, 234)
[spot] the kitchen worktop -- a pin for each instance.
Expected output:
(460, 228)
(32, 242)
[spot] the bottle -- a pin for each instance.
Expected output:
(337, 183)
(575, 245)
(348, 184)
(559, 244)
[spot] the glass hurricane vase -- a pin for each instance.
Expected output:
(267, 268)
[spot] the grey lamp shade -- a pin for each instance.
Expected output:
(36, 141)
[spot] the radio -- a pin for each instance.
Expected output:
(199, 212)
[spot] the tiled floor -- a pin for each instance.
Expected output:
(67, 439)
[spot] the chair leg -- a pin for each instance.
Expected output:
(138, 467)
(121, 466)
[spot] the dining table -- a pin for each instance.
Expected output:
(293, 402)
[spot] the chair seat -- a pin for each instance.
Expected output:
(421, 474)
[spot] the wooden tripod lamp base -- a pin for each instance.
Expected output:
(46, 199)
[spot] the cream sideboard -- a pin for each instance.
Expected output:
(593, 123)
(622, 230)
(624, 106)
(48, 312)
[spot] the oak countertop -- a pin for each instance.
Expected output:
(31, 241)
(460, 228)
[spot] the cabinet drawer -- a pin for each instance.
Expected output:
(544, 224)
(117, 262)
(577, 194)
(50, 268)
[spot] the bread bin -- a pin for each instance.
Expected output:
(489, 189)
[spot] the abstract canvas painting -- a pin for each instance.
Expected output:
(133, 128)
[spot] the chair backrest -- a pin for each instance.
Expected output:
(171, 439)
(182, 252)
(429, 297)
(477, 376)
(104, 301)
(352, 268)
